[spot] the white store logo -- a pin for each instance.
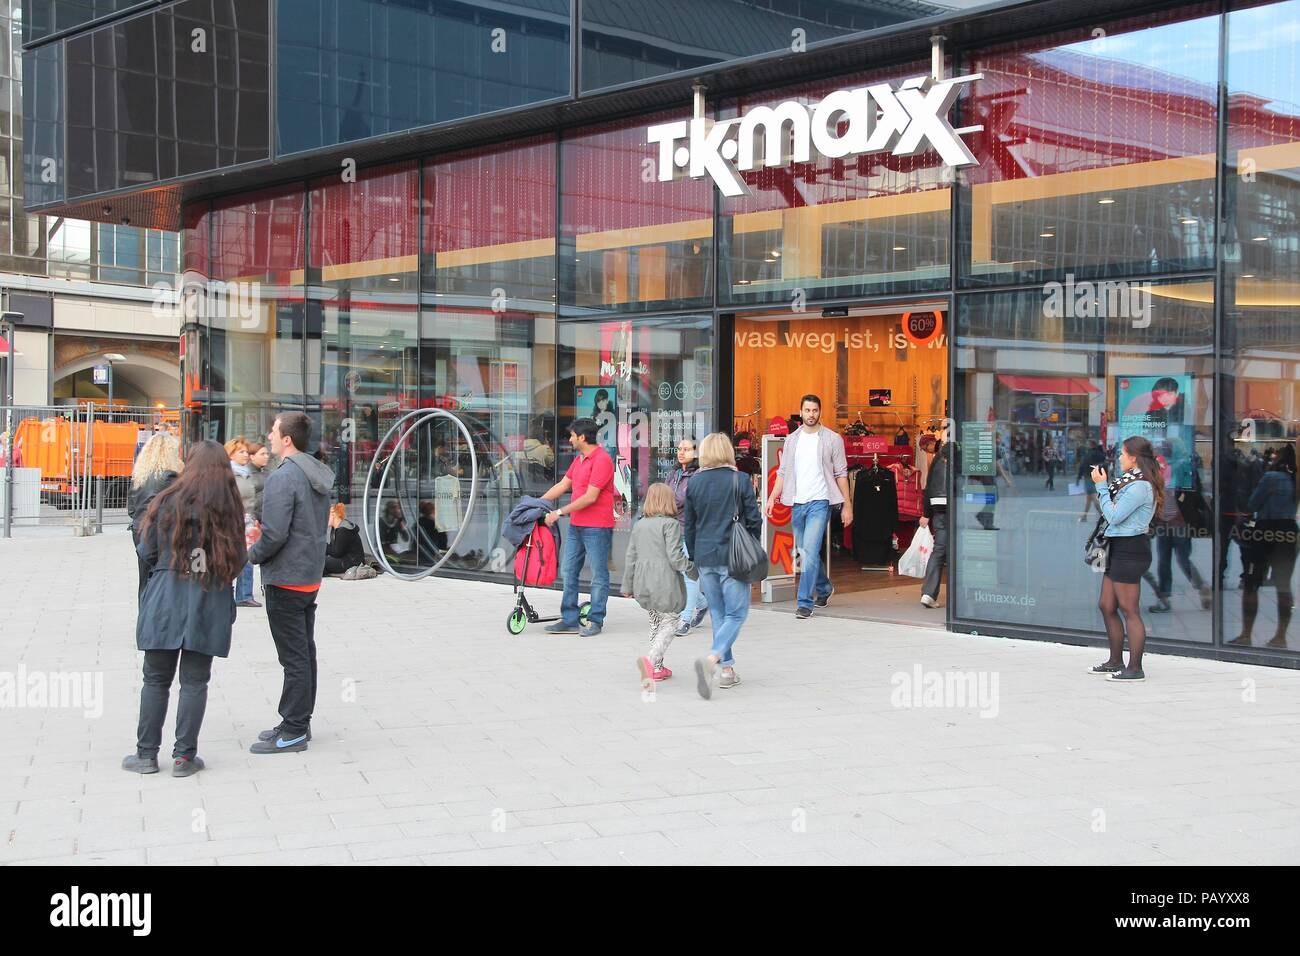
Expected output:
(904, 121)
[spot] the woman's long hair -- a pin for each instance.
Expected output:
(1141, 449)
(202, 512)
(160, 454)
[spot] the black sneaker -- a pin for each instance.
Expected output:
(1129, 675)
(698, 618)
(1164, 607)
(822, 600)
(137, 764)
(803, 613)
(559, 627)
(1106, 669)
(275, 732)
(279, 744)
(186, 766)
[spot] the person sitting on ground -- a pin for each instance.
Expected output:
(344, 549)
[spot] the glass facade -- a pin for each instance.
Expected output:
(625, 41)
(1098, 152)
(831, 228)
(1085, 290)
(181, 90)
(44, 18)
(351, 69)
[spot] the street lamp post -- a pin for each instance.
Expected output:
(111, 358)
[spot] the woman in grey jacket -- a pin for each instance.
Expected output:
(192, 538)
(653, 574)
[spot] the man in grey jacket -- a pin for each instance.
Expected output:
(291, 551)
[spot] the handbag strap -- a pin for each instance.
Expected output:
(735, 487)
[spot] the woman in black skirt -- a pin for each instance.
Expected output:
(1127, 503)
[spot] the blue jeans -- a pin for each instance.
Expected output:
(809, 521)
(694, 597)
(729, 605)
(244, 584)
(580, 543)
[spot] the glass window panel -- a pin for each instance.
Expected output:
(362, 343)
(352, 69)
(43, 163)
(145, 106)
(628, 245)
(832, 227)
(254, 303)
(1260, 418)
(624, 42)
(649, 383)
(1098, 152)
(42, 18)
(1079, 366)
(487, 336)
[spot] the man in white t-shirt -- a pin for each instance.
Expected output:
(812, 479)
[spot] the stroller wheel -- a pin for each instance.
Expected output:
(584, 612)
(517, 621)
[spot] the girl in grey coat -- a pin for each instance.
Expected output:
(656, 562)
(192, 539)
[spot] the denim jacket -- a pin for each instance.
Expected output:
(1129, 515)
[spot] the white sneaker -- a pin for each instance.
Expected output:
(929, 601)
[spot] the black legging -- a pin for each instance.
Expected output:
(1117, 598)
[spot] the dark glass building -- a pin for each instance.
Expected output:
(1034, 232)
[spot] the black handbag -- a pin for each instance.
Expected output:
(746, 559)
(1096, 551)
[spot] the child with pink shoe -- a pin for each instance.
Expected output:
(652, 575)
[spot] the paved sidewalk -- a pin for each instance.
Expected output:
(439, 738)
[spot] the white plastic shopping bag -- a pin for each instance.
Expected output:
(917, 555)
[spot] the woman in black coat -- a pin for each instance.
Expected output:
(192, 539)
(716, 494)
(156, 467)
(344, 549)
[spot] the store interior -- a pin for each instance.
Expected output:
(882, 375)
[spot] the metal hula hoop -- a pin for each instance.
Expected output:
(425, 416)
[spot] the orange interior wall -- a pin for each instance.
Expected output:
(789, 360)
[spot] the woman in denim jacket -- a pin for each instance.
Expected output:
(1128, 504)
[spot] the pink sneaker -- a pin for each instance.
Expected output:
(647, 669)
(662, 673)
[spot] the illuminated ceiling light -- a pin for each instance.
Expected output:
(1047, 235)
(1188, 222)
(900, 248)
(776, 253)
(742, 282)
(1105, 202)
(770, 259)
(1260, 239)
(1248, 275)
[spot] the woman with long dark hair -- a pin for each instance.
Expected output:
(1128, 504)
(1268, 547)
(192, 538)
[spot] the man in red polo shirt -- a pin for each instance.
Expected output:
(591, 527)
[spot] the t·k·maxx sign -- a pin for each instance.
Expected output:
(903, 120)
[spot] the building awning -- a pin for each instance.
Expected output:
(1041, 385)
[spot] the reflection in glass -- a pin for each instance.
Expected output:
(649, 382)
(254, 307)
(352, 69)
(628, 245)
(487, 341)
(1046, 382)
(835, 227)
(1098, 152)
(142, 107)
(625, 42)
(1259, 423)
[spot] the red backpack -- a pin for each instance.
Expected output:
(537, 565)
